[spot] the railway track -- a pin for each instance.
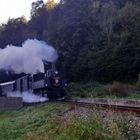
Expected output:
(110, 106)
(114, 107)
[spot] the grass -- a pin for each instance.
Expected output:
(98, 90)
(14, 125)
(54, 121)
(83, 90)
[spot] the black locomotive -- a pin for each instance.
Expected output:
(49, 84)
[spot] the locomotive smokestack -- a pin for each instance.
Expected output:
(53, 67)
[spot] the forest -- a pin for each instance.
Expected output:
(95, 39)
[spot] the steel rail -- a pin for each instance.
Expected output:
(114, 107)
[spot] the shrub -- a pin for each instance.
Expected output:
(120, 89)
(83, 90)
(117, 89)
(138, 82)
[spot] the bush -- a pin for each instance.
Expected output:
(83, 90)
(138, 82)
(117, 89)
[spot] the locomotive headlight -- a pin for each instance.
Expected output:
(56, 81)
(56, 72)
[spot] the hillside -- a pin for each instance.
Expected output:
(95, 39)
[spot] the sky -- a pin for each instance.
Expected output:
(15, 9)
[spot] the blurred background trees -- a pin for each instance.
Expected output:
(95, 39)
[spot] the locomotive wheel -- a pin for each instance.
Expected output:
(55, 94)
(59, 93)
(51, 95)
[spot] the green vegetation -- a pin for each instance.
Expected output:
(102, 90)
(53, 121)
(82, 89)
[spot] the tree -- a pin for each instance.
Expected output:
(35, 6)
(50, 4)
(107, 19)
(95, 39)
(14, 32)
(38, 22)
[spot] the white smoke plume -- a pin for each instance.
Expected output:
(27, 97)
(28, 58)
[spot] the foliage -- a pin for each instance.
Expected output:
(14, 32)
(83, 90)
(95, 39)
(102, 90)
(117, 89)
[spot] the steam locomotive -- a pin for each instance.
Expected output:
(48, 84)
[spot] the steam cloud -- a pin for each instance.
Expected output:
(28, 58)
(27, 97)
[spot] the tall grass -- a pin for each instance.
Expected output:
(98, 90)
(83, 90)
(51, 122)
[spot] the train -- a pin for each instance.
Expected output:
(48, 84)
